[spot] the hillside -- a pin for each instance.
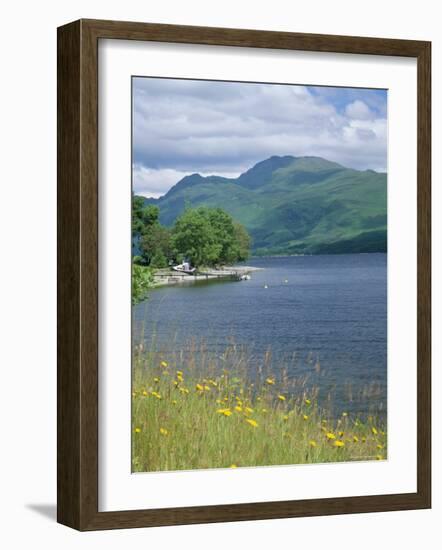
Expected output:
(293, 205)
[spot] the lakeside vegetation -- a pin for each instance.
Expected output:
(202, 236)
(188, 413)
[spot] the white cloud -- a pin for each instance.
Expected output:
(185, 126)
(358, 110)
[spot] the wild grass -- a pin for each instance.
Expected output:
(200, 410)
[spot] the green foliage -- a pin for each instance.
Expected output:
(209, 236)
(142, 281)
(154, 245)
(293, 205)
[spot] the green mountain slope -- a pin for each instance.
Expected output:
(294, 205)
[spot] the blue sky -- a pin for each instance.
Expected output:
(213, 127)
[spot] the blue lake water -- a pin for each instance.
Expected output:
(320, 317)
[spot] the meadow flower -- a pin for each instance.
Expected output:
(174, 402)
(355, 438)
(233, 466)
(281, 397)
(285, 417)
(145, 393)
(179, 373)
(379, 457)
(198, 387)
(312, 443)
(374, 430)
(264, 410)
(163, 364)
(305, 417)
(345, 414)
(364, 439)
(156, 379)
(308, 402)
(163, 431)
(155, 394)
(206, 388)
(330, 435)
(379, 446)
(252, 422)
(339, 443)
(238, 408)
(270, 381)
(224, 412)
(184, 390)
(248, 410)
(341, 433)
(137, 430)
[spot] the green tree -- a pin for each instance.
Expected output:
(194, 238)
(154, 245)
(142, 281)
(209, 236)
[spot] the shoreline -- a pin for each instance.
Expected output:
(167, 277)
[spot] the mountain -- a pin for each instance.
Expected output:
(293, 205)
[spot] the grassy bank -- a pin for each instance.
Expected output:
(183, 420)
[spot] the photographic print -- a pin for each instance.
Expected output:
(259, 274)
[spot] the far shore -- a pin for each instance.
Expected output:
(168, 277)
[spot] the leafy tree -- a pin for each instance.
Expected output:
(154, 245)
(142, 281)
(194, 238)
(208, 236)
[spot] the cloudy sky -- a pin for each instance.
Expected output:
(185, 126)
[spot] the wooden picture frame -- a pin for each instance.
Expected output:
(78, 274)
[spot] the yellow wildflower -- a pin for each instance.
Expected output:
(252, 422)
(345, 414)
(238, 408)
(341, 434)
(156, 379)
(339, 443)
(364, 439)
(270, 381)
(163, 364)
(285, 417)
(355, 438)
(330, 435)
(155, 394)
(264, 410)
(137, 430)
(163, 431)
(224, 412)
(174, 402)
(233, 466)
(145, 393)
(379, 457)
(379, 446)
(198, 387)
(305, 417)
(248, 410)
(258, 398)
(281, 397)
(308, 402)
(374, 430)
(312, 443)
(179, 373)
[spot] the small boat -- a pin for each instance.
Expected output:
(244, 277)
(184, 268)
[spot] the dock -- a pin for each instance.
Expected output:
(166, 277)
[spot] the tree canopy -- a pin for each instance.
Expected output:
(203, 236)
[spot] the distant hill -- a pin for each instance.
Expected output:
(293, 205)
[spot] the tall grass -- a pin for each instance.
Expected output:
(197, 409)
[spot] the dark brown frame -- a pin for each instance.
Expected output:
(78, 274)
